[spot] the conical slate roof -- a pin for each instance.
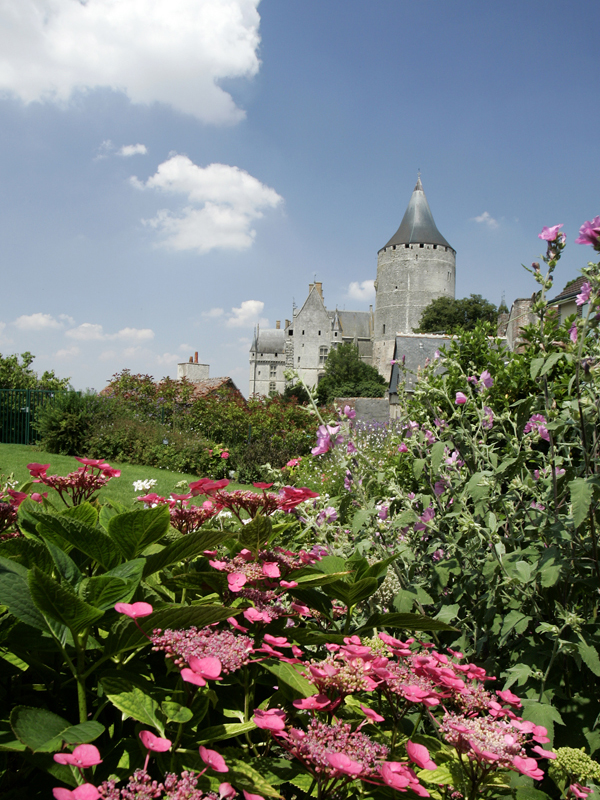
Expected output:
(417, 226)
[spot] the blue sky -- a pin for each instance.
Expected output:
(172, 173)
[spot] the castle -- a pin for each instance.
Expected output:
(417, 265)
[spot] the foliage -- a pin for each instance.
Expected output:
(15, 374)
(448, 315)
(346, 375)
(65, 423)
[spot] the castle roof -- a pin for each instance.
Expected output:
(269, 340)
(417, 225)
(352, 323)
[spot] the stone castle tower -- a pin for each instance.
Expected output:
(416, 266)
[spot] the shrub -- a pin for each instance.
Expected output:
(65, 422)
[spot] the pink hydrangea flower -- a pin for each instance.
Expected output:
(86, 791)
(419, 755)
(155, 743)
(83, 756)
(213, 760)
(134, 610)
(342, 763)
(273, 719)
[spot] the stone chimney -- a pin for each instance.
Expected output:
(319, 287)
(192, 370)
(277, 324)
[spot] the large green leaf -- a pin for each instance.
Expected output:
(589, 656)
(194, 544)
(581, 498)
(27, 552)
(14, 593)
(65, 566)
(40, 730)
(256, 534)
(407, 622)
(219, 732)
(316, 578)
(103, 591)
(60, 602)
(83, 733)
(247, 778)
(134, 531)
(132, 700)
(84, 512)
(331, 564)
(291, 677)
(351, 593)
(516, 621)
(91, 541)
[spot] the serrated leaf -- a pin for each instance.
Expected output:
(189, 546)
(418, 467)
(91, 541)
(589, 656)
(549, 362)
(219, 732)
(27, 552)
(175, 712)
(360, 519)
(65, 566)
(331, 564)
(103, 591)
(291, 677)
(246, 777)
(256, 533)
(132, 700)
(581, 498)
(60, 602)
(84, 512)
(14, 593)
(407, 622)
(133, 531)
(83, 733)
(437, 454)
(535, 367)
(38, 728)
(516, 621)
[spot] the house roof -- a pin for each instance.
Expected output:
(352, 323)
(417, 225)
(210, 385)
(269, 340)
(572, 289)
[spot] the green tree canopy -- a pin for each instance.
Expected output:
(347, 376)
(447, 315)
(15, 374)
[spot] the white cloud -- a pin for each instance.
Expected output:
(133, 334)
(69, 352)
(168, 51)
(168, 359)
(486, 219)
(37, 322)
(213, 313)
(66, 319)
(362, 291)
(247, 314)
(223, 202)
(86, 332)
(133, 150)
(108, 355)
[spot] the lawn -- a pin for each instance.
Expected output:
(15, 457)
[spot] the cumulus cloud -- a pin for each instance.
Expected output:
(37, 322)
(167, 51)
(222, 203)
(88, 332)
(69, 352)
(133, 334)
(247, 314)
(486, 219)
(213, 313)
(133, 150)
(362, 291)
(168, 359)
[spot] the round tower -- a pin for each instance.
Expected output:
(416, 266)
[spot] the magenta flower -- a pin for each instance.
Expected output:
(155, 743)
(350, 413)
(84, 756)
(254, 615)
(549, 234)
(273, 719)
(589, 233)
(486, 379)
(271, 569)
(86, 791)
(402, 448)
(316, 701)
(226, 791)
(487, 421)
(573, 332)
(342, 763)
(419, 755)
(461, 399)
(351, 448)
(213, 760)
(579, 791)
(235, 581)
(38, 470)
(584, 296)
(371, 715)
(529, 767)
(134, 610)
(396, 775)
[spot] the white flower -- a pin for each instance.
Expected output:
(144, 486)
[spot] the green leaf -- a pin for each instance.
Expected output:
(66, 567)
(103, 591)
(40, 730)
(219, 732)
(14, 593)
(351, 593)
(193, 544)
(291, 677)
(175, 712)
(418, 467)
(476, 488)
(529, 793)
(246, 777)
(407, 622)
(91, 541)
(331, 564)
(508, 462)
(542, 714)
(61, 603)
(134, 531)
(132, 700)
(27, 552)
(516, 621)
(360, 519)
(581, 497)
(589, 656)
(535, 367)
(448, 613)
(255, 534)
(84, 512)
(437, 455)
(549, 362)
(317, 578)
(83, 733)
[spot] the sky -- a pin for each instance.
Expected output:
(175, 172)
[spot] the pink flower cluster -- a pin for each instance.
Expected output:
(76, 487)
(537, 424)
(185, 518)
(232, 650)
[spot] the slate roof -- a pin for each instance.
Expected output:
(417, 226)
(353, 323)
(269, 340)
(571, 290)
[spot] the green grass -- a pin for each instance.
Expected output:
(15, 457)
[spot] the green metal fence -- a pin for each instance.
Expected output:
(18, 409)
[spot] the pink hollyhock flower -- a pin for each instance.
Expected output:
(315, 701)
(293, 462)
(402, 448)
(213, 760)
(342, 763)
(84, 756)
(236, 580)
(573, 332)
(351, 449)
(486, 379)
(350, 413)
(589, 233)
(419, 755)
(86, 791)
(371, 715)
(155, 743)
(383, 513)
(224, 454)
(529, 767)
(226, 791)
(584, 296)
(273, 719)
(271, 569)
(134, 610)
(461, 399)
(38, 470)
(549, 234)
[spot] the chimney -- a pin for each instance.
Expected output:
(319, 287)
(196, 357)
(277, 324)
(287, 323)
(191, 359)
(310, 286)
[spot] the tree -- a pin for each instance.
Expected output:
(347, 376)
(447, 315)
(15, 374)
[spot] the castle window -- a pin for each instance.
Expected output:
(406, 246)
(335, 334)
(322, 355)
(298, 359)
(393, 247)
(272, 386)
(290, 332)
(302, 333)
(421, 245)
(273, 371)
(259, 372)
(384, 327)
(319, 333)
(435, 246)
